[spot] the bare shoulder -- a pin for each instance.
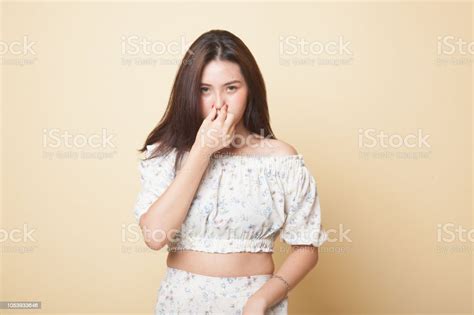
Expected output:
(281, 147)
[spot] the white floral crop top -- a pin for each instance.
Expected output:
(242, 204)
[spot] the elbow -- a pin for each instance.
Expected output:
(155, 245)
(152, 236)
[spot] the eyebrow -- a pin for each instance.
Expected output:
(228, 83)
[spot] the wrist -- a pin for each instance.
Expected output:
(201, 150)
(259, 301)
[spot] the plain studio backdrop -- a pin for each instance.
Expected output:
(376, 96)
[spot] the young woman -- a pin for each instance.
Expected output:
(218, 188)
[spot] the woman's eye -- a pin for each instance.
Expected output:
(232, 88)
(204, 90)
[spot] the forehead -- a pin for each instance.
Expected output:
(218, 71)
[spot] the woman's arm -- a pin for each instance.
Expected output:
(302, 259)
(168, 212)
(165, 216)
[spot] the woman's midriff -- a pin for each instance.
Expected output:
(222, 264)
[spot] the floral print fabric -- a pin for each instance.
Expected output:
(242, 204)
(183, 292)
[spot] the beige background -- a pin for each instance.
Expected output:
(86, 256)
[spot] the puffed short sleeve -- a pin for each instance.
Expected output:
(156, 175)
(302, 208)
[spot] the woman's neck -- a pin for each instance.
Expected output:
(241, 137)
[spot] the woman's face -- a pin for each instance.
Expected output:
(222, 83)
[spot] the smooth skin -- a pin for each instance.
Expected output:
(223, 100)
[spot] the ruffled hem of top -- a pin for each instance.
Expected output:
(282, 162)
(222, 245)
(323, 237)
(240, 157)
(218, 155)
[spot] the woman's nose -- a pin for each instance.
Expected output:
(219, 103)
(219, 100)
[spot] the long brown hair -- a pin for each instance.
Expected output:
(182, 119)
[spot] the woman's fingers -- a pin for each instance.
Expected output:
(223, 123)
(222, 113)
(229, 122)
(229, 127)
(231, 132)
(211, 114)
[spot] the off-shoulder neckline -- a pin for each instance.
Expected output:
(219, 155)
(223, 155)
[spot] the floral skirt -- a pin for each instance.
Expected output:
(184, 292)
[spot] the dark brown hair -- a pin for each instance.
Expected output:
(182, 119)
